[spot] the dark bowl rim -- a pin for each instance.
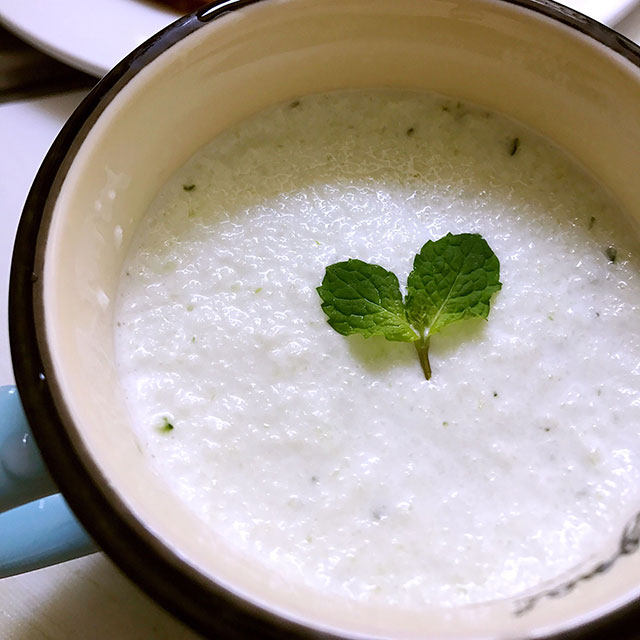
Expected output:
(204, 605)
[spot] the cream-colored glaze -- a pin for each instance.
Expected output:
(499, 56)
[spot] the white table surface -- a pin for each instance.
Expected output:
(86, 598)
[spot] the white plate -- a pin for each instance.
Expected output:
(606, 11)
(93, 35)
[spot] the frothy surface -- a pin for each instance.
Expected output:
(331, 459)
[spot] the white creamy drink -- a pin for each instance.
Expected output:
(332, 459)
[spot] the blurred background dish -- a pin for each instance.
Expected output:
(91, 36)
(74, 30)
(609, 12)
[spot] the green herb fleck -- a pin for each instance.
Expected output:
(453, 278)
(379, 514)
(188, 187)
(189, 307)
(611, 253)
(258, 290)
(193, 340)
(410, 131)
(515, 145)
(166, 426)
(592, 221)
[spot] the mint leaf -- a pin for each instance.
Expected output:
(364, 298)
(453, 278)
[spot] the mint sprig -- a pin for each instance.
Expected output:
(453, 278)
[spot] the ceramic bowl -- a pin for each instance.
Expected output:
(571, 79)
